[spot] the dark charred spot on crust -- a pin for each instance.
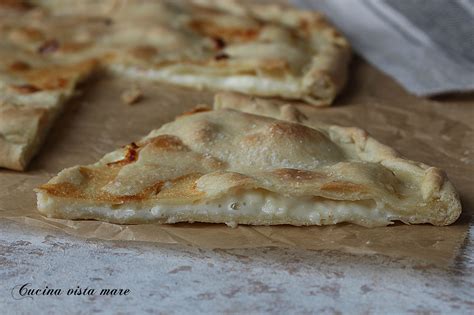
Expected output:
(219, 43)
(48, 46)
(19, 66)
(221, 56)
(25, 88)
(295, 174)
(130, 157)
(132, 154)
(195, 110)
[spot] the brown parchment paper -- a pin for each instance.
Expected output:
(438, 132)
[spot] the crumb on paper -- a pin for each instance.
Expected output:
(132, 95)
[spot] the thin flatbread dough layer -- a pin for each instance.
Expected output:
(226, 166)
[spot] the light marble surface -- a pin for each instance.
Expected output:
(186, 280)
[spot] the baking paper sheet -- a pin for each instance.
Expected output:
(438, 132)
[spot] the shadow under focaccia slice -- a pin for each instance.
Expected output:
(226, 166)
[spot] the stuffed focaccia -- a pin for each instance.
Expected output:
(226, 166)
(266, 50)
(47, 46)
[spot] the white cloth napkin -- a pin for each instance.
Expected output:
(426, 45)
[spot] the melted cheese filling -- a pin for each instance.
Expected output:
(249, 207)
(264, 86)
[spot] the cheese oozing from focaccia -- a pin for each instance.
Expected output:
(226, 166)
(248, 207)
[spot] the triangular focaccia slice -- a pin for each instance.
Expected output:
(226, 166)
(31, 97)
(33, 86)
(266, 50)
